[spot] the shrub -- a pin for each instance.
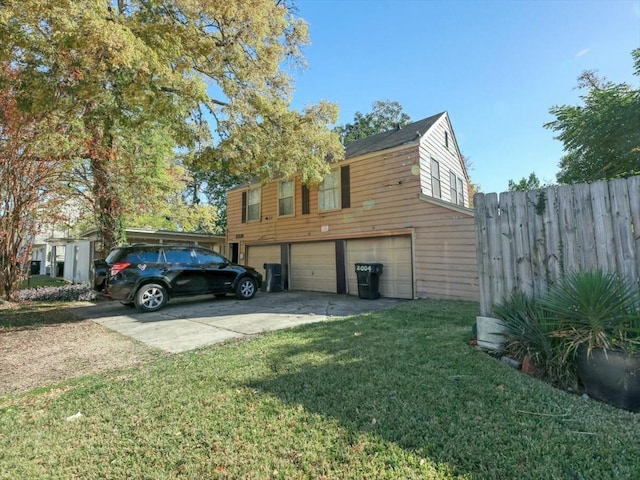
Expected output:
(67, 293)
(595, 309)
(588, 309)
(530, 336)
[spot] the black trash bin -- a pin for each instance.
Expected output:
(273, 277)
(35, 267)
(368, 280)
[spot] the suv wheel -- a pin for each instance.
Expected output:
(246, 288)
(151, 297)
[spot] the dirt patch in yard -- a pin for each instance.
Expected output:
(36, 356)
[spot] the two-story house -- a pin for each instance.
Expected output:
(400, 198)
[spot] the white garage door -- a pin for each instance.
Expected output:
(394, 253)
(257, 256)
(313, 267)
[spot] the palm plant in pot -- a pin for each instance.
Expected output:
(598, 318)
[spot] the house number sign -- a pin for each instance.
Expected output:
(363, 268)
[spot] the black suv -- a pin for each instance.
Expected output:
(148, 275)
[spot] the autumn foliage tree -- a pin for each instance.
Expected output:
(29, 176)
(141, 80)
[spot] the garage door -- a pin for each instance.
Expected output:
(257, 256)
(313, 267)
(395, 255)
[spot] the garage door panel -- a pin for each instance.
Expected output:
(258, 255)
(394, 253)
(313, 267)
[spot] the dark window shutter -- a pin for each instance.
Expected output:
(244, 207)
(345, 187)
(306, 209)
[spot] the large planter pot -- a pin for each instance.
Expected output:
(612, 377)
(490, 333)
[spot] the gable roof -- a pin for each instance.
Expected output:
(392, 138)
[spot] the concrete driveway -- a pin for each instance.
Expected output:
(188, 323)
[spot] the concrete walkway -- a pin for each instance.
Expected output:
(190, 323)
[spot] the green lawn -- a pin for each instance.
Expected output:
(42, 281)
(395, 394)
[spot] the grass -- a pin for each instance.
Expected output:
(36, 314)
(34, 281)
(394, 394)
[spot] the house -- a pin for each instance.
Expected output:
(400, 198)
(48, 249)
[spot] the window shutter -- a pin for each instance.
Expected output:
(306, 209)
(345, 187)
(244, 207)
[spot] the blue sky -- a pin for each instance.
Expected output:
(495, 66)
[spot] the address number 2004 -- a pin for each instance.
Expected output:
(363, 268)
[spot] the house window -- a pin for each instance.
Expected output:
(457, 186)
(285, 197)
(329, 191)
(453, 184)
(446, 139)
(435, 179)
(253, 205)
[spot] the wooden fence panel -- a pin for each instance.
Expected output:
(495, 250)
(553, 261)
(622, 234)
(535, 215)
(586, 236)
(507, 282)
(634, 203)
(484, 263)
(519, 221)
(603, 230)
(527, 241)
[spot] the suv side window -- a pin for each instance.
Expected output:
(143, 256)
(178, 255)
(206, 257)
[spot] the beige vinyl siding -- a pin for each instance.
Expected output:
(380, 194)
(394, 253)
(313, 267)
(445, 252)
(258, 255)
(385, 201)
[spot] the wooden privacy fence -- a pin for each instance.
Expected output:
(527, 240)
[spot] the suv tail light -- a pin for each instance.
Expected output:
(118, 267)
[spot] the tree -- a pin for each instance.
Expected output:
(385, 116)
(30, 150)
(141, 80)
(602, 137)
(526, 184)
(473, 187)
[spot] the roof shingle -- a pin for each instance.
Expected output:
(392, 138)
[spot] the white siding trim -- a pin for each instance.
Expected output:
(450, 206)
